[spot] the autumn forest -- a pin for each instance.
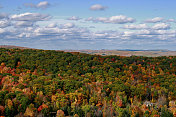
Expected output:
(56, 83)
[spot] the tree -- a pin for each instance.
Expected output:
(165, 112)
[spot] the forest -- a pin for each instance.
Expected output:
(57, 83)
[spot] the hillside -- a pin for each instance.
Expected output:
(45, 82)
(12, 47)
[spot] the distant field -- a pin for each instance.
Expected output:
(148, 53)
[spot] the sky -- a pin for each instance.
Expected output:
(89, 24)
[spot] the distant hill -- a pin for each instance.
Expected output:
(145, 50)
(125, 52)
(12, 47)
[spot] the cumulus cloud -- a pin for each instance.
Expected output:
(68, 25)
(154, 20)
(23, 24)
(156, 35)
(97, 7)
(43, 5)
(52, 25)
(46, 31)
(4, 23)
(2, 30)
(161, 26)
(142, 34)
(74, 18)
(171, 20)
(30, 17)
(70, 31)
(135, 27)
(121, 19)
(6, 33)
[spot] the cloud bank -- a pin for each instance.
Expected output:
(25, 27)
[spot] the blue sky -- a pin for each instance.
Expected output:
(88, 24)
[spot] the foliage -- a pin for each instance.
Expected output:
(44, 81)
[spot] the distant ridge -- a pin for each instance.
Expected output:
(161, 50)
(103, 52)
(13, 47)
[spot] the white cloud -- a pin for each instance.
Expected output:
(23, 24)
(161, 26)
(24, 35)
(46, 31)
(73, 33)
(154, 20)
(43, 5)
(30, 17)
(101, 35)
(2, 31)
(4, 23)
(69, 25)
(52, 25)
(171, 20)
(121, 19)
(149, 35)
(90, 19)
(67, 32)
(74, 18)
(97, 7)
(135, 27)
